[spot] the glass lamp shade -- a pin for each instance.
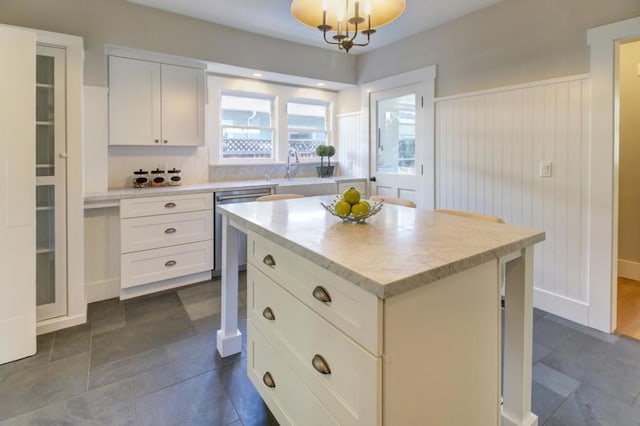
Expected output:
(309, 12)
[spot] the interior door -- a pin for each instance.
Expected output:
(17, 195)
(396, 145)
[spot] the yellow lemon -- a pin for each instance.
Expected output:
(360, 210)
(351, 196)
(343, 208)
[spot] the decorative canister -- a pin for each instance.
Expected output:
(157, 178)
(140, 179)
(174, 177)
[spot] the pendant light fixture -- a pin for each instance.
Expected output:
(347, 23)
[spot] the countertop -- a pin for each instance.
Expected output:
(112, 197)
(398, 249)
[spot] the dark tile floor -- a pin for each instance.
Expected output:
(152, 361)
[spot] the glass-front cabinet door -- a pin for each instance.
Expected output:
(51, 259)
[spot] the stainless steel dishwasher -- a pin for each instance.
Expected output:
(230, 197)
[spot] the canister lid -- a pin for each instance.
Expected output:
(141, 172)
(173, 171)
(157, 171)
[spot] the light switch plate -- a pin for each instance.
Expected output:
(546, 169)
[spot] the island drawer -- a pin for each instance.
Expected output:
(148, 266)
(149, 206)
(355, 311)
(341, 373)
(143, 233)
(282, 390)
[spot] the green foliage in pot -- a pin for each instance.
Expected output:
(321, 151)
(331, 151)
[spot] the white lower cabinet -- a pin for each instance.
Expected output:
(165, 242)
(311, 340)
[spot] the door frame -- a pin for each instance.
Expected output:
(425, 196)
(603, 42)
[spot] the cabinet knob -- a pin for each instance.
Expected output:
(269, 260)
(320, 364)
(268, 314)
(165, 141)
(170, 205)
(157, 141)
(321, 294)
(268, 380)
(170, 230)
(170, 263)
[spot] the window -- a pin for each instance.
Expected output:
(307, 126)
(247, 126)
(253, 122)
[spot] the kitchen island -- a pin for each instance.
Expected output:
(396, 321)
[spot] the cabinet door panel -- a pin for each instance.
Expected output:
(134, 102)
(182, 105)
(17, 208)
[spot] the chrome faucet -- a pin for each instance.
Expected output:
(294, 153)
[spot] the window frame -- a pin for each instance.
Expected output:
(273, 122)
(282, 95)
(326, 131)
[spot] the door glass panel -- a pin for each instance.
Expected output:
(45, 244)
(397, 135)
(44, 104)
(44, 69)
(45, 148)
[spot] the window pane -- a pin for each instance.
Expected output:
(397, 127)
(247, 143)
(245, 111)
(307, 116)
(305, 143)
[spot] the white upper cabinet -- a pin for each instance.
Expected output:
(155, 104)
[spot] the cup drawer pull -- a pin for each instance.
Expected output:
(268, 380)
(269, 261)
(320, 364)
(170, 205)
(321, 294)
(170, 230)
(170, 263)
(268, 314)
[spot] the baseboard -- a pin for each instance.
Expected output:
(139, 290)
(629, 269)
(562, 306)
(102, 290)
(54, 324)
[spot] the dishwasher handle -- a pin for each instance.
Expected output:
(239, 196)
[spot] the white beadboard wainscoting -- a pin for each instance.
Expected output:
(489, 150)
(352, 151)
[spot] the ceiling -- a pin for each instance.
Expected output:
(276, 20)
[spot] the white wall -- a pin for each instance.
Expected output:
(489, 146)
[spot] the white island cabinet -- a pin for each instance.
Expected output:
(392, 322)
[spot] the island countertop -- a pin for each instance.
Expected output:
(397, 250)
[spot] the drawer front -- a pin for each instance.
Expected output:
(342, 374)
(150, 206)
(151, 232)
(355, 311)
(148, 266)
(290, 401)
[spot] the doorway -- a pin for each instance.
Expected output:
(628, 282)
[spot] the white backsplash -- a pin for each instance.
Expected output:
(124, 160)
(193, 162)
(273, 171)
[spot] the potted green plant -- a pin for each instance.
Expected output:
(325, 151)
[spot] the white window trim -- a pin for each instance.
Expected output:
(328, 121)
(282, 94)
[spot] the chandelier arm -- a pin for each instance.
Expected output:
(324, 33)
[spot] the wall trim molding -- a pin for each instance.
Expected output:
(503, 89)
(629, 269)
(562, 306)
